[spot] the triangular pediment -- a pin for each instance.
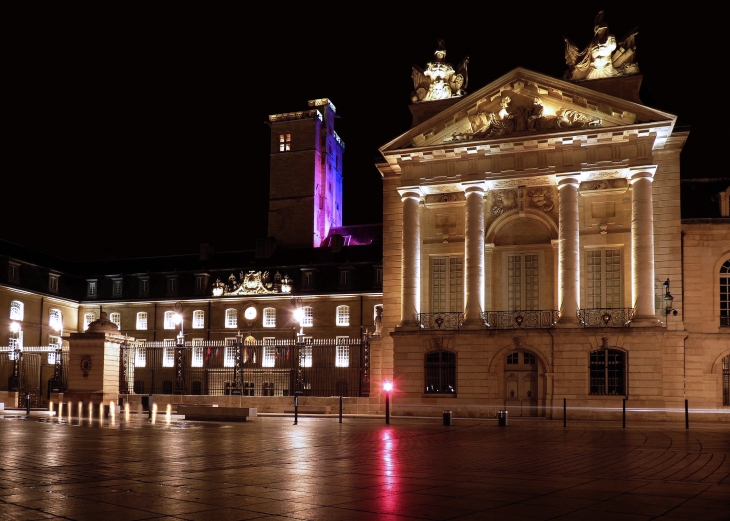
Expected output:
(524, 105)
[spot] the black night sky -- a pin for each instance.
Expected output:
(142, 133)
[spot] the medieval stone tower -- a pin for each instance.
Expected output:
(305, 191)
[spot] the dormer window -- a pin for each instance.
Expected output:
(201, 284)
(171, 286)
(91, 288)
(117, 287)
(53, 282)
(345, 278)
(144, 286)
(14, 272)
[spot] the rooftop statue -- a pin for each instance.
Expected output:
(603, 57)
(439, 80)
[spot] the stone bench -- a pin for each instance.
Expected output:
(310, 409)
(214, 413)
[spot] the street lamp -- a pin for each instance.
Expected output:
(57, 382)
(14, 381)
(298, 351)
(668, 300)
(387, 387)
(179, 345)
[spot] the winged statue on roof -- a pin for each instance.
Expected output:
(439, 80)
(603, 57)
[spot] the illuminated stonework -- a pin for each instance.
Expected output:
(250, 283)
(439, 80)
(603, 57)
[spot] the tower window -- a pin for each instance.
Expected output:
(284, 142)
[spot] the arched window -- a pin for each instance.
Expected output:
(343, 315)
(725, 294)
(608, 372)
(116, 318)
(55, 319)
(269, 317)
(440, 372)
(142, 320)
(307, 316)
(198, 319)
(231, 317)
(16, 310)
(169, 320)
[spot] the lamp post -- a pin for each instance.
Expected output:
(668, 300)
(298, 347)
(57, 382)
(14, 381)
(179, 347)
(387, 387)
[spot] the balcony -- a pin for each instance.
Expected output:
(606, 317)
(448, 320)
(522, 319)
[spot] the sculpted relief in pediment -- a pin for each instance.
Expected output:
(520, 114)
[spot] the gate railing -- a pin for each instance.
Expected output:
(606, 317)
(522, 319)
(33, 370)
(281, 367)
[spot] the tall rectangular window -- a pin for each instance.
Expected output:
(269, 317)
(198, 319)
(306, 353)
(196, 359)
(117, 287)
(269, 359)
(343, 315)
(603, 278)
(229, 354)
(608, 372)
(342, 353)
(447, 284)
(116, 318)
(200, 283)
(172, 286)
(344, 278)
(168, 355)
(284, 142)
(88, 319)
(141, 321)
(14, 272)
(725, 294)
(169, 320)
(523, 285)
(17, 310)
(90, 288)
(307, 316)
(231, 318)
(140, 356)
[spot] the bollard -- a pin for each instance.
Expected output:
(502, 418)
(340, 409)
(565, 412)
(447, 418)
(27, 404)
(686, 414)
(624, 413)
(296, 409)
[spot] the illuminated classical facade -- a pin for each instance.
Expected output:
(533, 237)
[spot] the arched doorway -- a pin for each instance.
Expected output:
(521, 383)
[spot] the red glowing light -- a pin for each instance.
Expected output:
(387, 386)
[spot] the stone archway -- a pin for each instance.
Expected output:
(522, 392)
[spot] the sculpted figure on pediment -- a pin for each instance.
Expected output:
(514, 118)
(439, 80)
(603, 57)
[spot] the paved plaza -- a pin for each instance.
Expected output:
(321, 469)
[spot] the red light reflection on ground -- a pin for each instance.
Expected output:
(389, 479)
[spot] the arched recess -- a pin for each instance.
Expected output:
(546, 230)
(527, 381)
(721, 368)
(725, 257)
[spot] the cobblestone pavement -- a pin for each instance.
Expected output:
(362, 469)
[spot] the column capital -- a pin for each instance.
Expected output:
(410, 192)
(568, 181)
(474, 186)
(489, 247)
(637, 176)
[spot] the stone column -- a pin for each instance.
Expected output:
(568, 253)
(474, 256)
(642, 250)
(411, 259)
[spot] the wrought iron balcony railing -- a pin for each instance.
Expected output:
(606, 317)
(447, 320)
(521, 319)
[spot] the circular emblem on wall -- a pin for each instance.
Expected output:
(250, 313)
(86, 364)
